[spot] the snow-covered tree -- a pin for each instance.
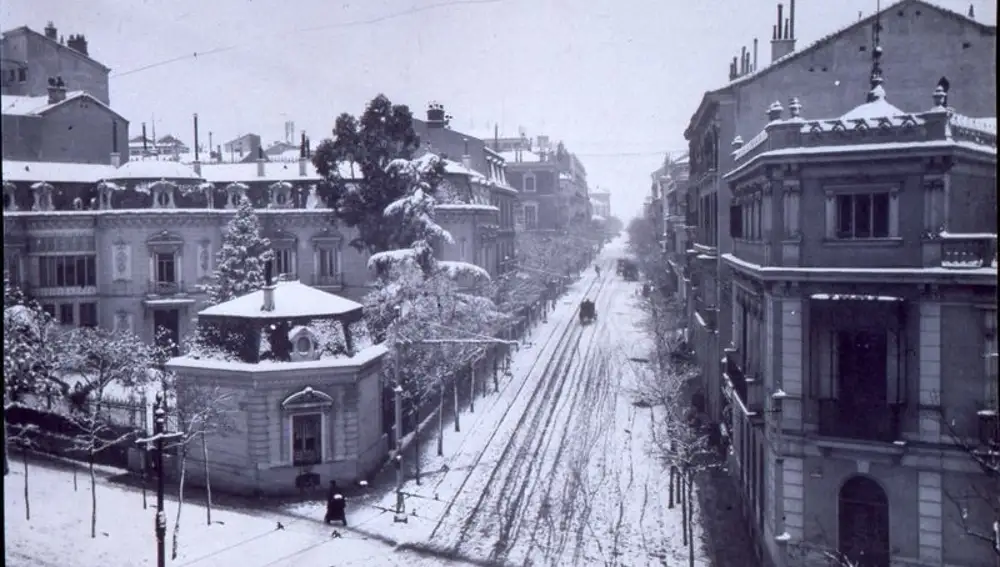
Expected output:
(97, 360)
(201, 410)
(372, 179)
(409, 219)
(241, 259)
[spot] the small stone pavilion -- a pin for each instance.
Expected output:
(305, 396)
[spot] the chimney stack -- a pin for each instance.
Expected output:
(268, 287)
(972, 11)
(435, 115)
(145, 147)
(754, 54)
(743, 60)
(303, 160)
(57, 90)
(51, 32)
(196, 146)
(116, 158)
(783, 35)
(78, 43)
(260, 161)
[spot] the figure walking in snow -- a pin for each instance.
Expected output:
(336, 506)
(597, 269)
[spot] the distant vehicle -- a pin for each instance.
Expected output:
(587, 312)
(628, 269)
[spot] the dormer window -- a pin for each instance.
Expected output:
(43, 196)
(9, 196)
(163, 194)
(235, 193)
(281, 195)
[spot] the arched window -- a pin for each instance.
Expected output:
(863, 508)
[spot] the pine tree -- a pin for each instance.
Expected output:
(374, 145)
(240, 262)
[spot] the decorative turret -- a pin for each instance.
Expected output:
(774, 111)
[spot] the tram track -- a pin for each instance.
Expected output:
(563, 338)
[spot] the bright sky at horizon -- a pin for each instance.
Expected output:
(616, 81)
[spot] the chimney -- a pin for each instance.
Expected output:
(268, 287)
(57, 90)
(496, 137)
(972, 12)
(791, 21)
(78, 43)
(783, 36)
(116, 158)
(754, 54)
(743, 60)
(196, 146)
(435, 115)
(51, 32)
(260, 161)
(145, 146)
(466, 158)
(303, 160)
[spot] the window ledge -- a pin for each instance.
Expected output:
(891, 242)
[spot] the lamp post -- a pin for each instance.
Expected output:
(160, 435)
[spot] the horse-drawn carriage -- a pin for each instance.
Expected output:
(587, 311)
(628, 269)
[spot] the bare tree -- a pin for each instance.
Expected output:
(201, 410)
(22, 439)
(96, 360)
(977, 505)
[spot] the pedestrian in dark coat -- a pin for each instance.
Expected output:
(336, 506)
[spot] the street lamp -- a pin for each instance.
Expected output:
(160, 435)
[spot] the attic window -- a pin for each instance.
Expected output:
(966, 45)
(918, 12)
(900, 13)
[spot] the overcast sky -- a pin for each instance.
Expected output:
(617, 80)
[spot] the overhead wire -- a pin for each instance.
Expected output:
(308, 29)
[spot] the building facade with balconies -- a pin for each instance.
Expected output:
(828, 74)
(551, 183)
(132, 247)
(860, 388)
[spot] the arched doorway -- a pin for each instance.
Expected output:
(863, 509)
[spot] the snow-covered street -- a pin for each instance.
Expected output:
(557, 468)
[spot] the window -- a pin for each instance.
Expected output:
(329, 262)
(88, 314)
(529, 183)
(50, 309)
(166, 268)
(284, 262)
(736, 221)
(22, 75)
(307, 430)
(862, 215)
(66, 314)
(461, 249)
(530, 216)
(67, 271)
(12, 265)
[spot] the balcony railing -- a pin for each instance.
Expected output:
(989, 430)
(328, 280)
(746, 387)
(967, 251)
(860, 420)
(166, 288)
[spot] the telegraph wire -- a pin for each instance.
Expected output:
(341, 25)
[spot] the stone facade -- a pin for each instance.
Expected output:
(30, 58)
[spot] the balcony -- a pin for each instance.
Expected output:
(748, 389)
(860, 420)
(166, 289)
(968, 251)
(989, 430)
(328, 280)
(708, 313)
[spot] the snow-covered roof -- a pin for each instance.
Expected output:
(292, 300)
(511, 157)
(465, 207)
(598, 218)
(37, 105)
(273, 171)
(154, 169)
(458, 168)
(878, 108)
(361, 358)
(55, 172)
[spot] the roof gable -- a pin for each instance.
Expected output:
(28, 31)
(864, 22)
(40, 105)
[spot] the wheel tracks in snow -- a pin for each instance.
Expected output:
(541, 440)
(563, 342)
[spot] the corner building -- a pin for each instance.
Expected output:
(860, 385)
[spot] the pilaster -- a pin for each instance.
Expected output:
(929, 512)
(793, 497)
(930, 371)
(792, 361)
